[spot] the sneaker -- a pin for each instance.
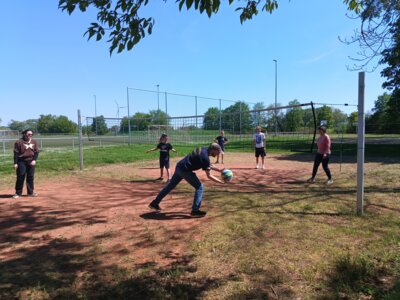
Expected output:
(154, 206)
(257, 166)
(33, 195)
(311, 180)
(198, 213)
(217, 162)
(329, 182)
(263, 167)
(16, 196)
(159, 178)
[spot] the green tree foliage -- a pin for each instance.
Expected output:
(158, 117)
(379, 36)
(125, 26)
(237, 118)
(380, 121)
(351, 120)
(55, 124)
(99, 126)
(17, 125)
(140, 121)
(259, 117)
(293, 120)
(23, 125)
(211, 119)
(325, 113)
(340, 120)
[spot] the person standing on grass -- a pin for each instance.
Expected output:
(323, 155)
(222, 141)
(164, 148)
(259, 144)
(197, 159)
(26, 152)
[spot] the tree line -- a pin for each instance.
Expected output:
(237, 118)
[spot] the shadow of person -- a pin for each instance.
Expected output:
(165, 216)
(6, 195)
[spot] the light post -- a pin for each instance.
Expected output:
(158, 102)
(95, 111)
(276, 95)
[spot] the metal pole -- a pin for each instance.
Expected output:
(95, 111)
(276, 95)
(166, 104)
(195, 107)
(129, 118)
(80, 141)
(240, 120)
(220, 116)
(158, 103)
(360, 144)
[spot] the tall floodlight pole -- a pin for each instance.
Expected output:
(220, 116)
(166, 103)
(276, 95)
(95, 111)
(129, 118)
(158, 102)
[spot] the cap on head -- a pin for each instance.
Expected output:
(322, 128)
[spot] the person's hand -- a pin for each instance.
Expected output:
(15, 166)
(33, 162)
(324, 156)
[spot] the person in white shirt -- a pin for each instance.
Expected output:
(259, 144)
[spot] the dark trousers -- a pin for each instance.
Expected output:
(191, 178)
(325, 161)
(25, 170)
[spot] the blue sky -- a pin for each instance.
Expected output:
(48, 67)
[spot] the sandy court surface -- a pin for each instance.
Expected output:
(106, 208)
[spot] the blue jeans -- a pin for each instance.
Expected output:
(190, 177)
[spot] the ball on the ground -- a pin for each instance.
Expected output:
(227, 175)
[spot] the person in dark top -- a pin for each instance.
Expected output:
(164, 148)
(197, 159)
(222, 141)
(26, 152)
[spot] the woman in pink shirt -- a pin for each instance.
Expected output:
(323, 154)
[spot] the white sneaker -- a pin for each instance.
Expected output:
(257, 166)
(263, 167)
(16, 196)
(311, 180)
(329, 182)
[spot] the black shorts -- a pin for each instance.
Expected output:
(164, 162)
(260, 152)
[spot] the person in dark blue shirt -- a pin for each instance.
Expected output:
(196, 160)
(164, 148)
(222, 141)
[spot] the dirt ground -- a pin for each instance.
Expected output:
(106, 208)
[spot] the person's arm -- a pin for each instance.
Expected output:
(153, 149)
(212, 177)
(327, 146)
(173, 150)
(226, 141)
(35, 154)
(16, 153)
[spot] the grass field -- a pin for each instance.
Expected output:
(266, 237)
